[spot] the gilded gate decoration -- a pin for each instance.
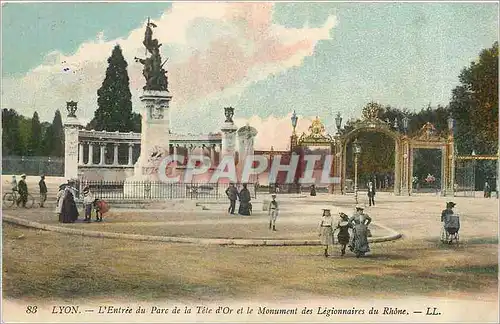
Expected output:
(427, 137)
(317, 135)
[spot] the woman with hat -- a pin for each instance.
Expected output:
(444, 217)
(326, 229)
(343, 236)
(359, 222)
(59, 201)
(69, 210)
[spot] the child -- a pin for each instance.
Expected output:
(273, 211)
(88, 202)
(101, 207)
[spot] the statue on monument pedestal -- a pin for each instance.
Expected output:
(153, 72)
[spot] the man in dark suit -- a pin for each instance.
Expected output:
(43, 190)
(22, 188)
(232, 194)
(371, 193)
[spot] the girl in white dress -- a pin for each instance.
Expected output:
(326, 230)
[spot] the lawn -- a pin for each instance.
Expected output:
(39, 264)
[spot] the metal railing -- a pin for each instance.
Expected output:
(33, 165)
(149, 190)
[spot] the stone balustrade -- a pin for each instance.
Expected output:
(103, 152)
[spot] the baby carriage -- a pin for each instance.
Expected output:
(450, 230)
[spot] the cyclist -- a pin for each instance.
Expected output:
(22, 188)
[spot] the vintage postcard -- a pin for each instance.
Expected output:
(250, 162)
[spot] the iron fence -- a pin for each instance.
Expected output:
(150, 190)
(33, 165)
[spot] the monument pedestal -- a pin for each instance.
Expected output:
(155, 135)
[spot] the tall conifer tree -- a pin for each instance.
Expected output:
(114, 112)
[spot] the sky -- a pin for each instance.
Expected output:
(264, 59)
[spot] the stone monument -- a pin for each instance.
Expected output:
(246, 137)
(228, 134)
(155, 104)
(71, 128)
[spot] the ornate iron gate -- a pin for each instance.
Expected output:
(465, 178)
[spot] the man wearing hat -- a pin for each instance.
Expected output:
(22, 188)
(43, 190)
(273, 211)
(232, 194)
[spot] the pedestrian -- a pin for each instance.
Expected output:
(232, 194)
(343, 236)
(273, 211)
(359, 223)
(22, 188)
(326, 230)
(69, 210)
(59, 201)
(256, 188)
(101, 207)
(245, 205)
(444, 218)
(43, 190)
(371, 193)
(88, 204)
(487, 190)
(313, 190)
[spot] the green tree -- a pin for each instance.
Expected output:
(53, 137)
(11, 136)
(475, 105)
(114, 112)
(36, 135)
(136, 123)
(25, 134)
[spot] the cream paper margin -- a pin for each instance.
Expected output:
(450, 310)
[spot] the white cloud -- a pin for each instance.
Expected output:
(205, 64)
(275, 130)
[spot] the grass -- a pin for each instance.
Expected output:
(40, 264)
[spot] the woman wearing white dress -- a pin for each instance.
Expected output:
(59, 201)
(326, 230)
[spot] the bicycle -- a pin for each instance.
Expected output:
(10, 200)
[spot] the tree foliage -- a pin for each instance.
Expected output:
(474, 105)
(11, 136)
(35, 136)
(114, 112)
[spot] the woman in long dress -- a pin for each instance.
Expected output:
(359, 222)
(59, 201)
(69, 210)
(245, 198)
(326, 230)
(343, 235)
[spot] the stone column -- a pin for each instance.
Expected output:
(130, 150)
(71, 131)
(90, 161)
(175, 150)
(155, 133)
(102, 157)
(80, 154)
(228, 134)
(115, 154)
(211, 148)
(246, 136)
